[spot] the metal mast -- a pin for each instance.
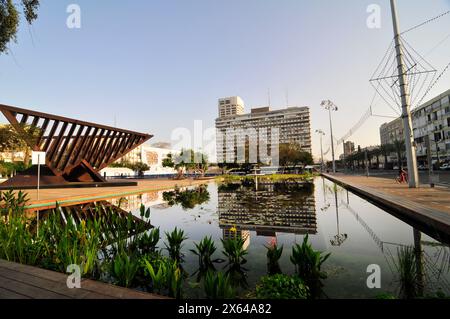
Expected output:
(405, 98)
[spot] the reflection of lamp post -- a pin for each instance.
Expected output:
(338, 238)
(328, 105)
(321, 133)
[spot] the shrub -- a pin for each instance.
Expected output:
(281, 286)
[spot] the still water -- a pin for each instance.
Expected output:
(354, 231)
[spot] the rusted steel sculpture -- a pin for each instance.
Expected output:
(75, 150)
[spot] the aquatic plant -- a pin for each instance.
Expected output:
(409, 275)
(147, 241)
(308, 263)
(204, 250)
(174, 243)
(124, 268)
(281, 286)
(145, 213)
(165, 275)
(234, 250)
(273, 256)
(218, 286)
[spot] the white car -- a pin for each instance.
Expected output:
(445, 167)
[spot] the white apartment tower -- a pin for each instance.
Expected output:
(230, 106)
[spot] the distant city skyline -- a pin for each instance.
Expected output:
(154, 66)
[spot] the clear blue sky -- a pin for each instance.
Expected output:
(159, 65)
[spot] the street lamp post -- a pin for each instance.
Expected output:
(330, 106)
(321, 133)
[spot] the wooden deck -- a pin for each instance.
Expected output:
(25, 282)
(430, 206)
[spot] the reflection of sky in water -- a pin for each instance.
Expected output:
(373, 237)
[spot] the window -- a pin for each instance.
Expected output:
(448, 122)
(445, 100)
(437, 136)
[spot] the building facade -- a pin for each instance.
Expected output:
(152, 156)
(230, 106)
(431, 128)
(264, 128)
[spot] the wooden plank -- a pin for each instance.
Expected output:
(118, 292)
(22, 281)
(28, 289)
(57, 287)
(8, 294)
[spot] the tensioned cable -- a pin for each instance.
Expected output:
(426, 22)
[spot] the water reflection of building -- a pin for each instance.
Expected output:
(268, 210)
(230, 233)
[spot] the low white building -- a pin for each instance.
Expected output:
(152, 156)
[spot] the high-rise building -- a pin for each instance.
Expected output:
(292, 125)
(230, 106)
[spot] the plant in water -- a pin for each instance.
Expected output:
(234, 250)
(124, 268)
(204, 250)
(174, 243)
(147, 241)
(165, 275)
(408, 270)
(281, 286)
(218, 286)
(308, 263)
(273, 256)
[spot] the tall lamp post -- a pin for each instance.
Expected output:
(330, 106)
(321, 133)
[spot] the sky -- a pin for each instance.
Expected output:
(154, 66)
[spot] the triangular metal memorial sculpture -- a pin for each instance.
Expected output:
(75, 150)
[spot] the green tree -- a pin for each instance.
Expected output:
(291, 154)
(187, 160)
(139, 167)
(11, 141)
(10, 19)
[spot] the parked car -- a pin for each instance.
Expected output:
(422, 167)
(445, 167)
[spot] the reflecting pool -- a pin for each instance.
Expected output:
(355, 232)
